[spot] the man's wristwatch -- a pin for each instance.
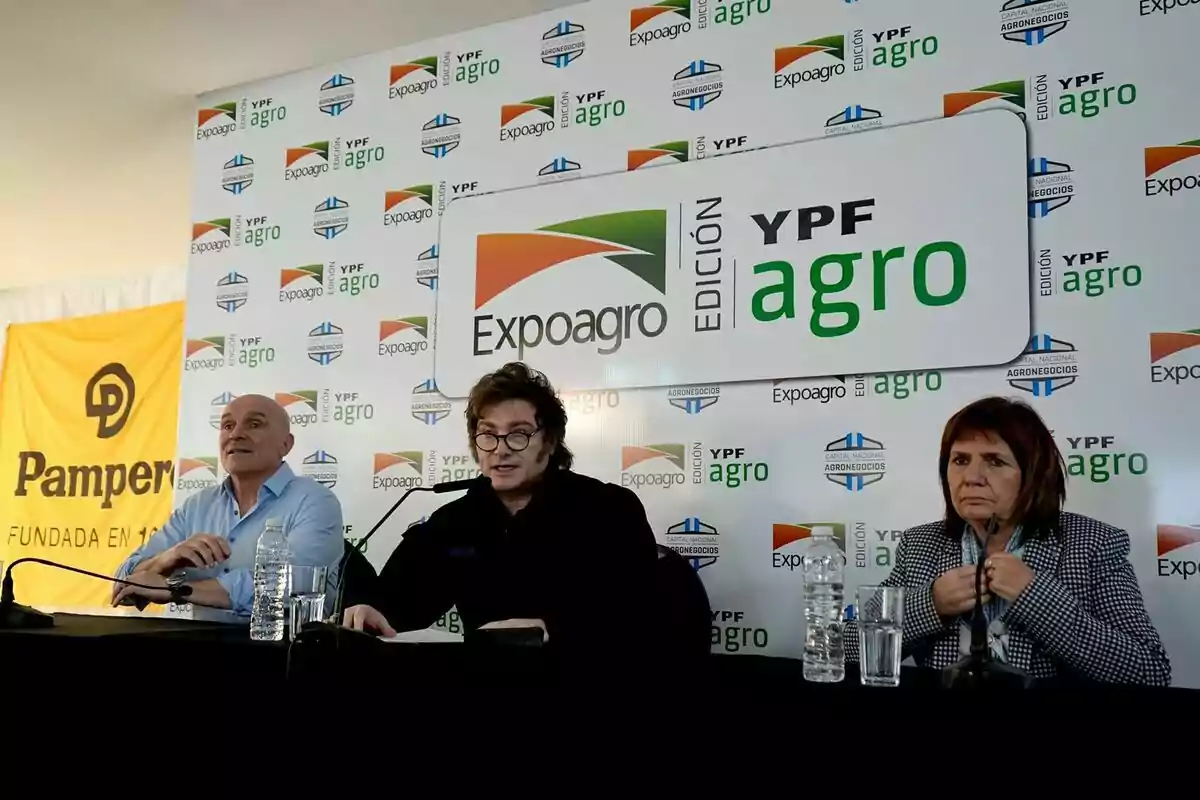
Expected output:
(176, 584)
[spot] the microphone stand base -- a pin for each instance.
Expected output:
(17, 617)
(973, 672)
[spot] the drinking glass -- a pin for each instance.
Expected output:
(306, 595)
(880, 634)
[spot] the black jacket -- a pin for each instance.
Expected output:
(579, 556)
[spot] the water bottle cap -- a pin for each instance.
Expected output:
(822, 530)
(274, 522)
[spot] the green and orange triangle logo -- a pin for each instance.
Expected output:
(399, 72)
(419, 325)
(294, 154)
(413, 458)
(957, 102)
(644, 155)
(1171, 342)
(306, 396)
(510, 111)
(204, 115)
(632, 455)
(1159, 158)
(197, 345)
(789, 54)
(289, 275)
(635, 240)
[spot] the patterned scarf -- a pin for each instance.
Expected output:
(994, 609)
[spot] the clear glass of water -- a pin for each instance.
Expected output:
(306, 595)
(880, 634)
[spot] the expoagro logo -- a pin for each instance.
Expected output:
(533, 117)
(817, 60)
(210, 236)
(400, 470)
(659, 154)
(412, 77)
(306, 161)
(633, 240)
(784, 534)
(652, 465)
(216, 121)
(1163, 158)
(196, 473)
(411, 204)
(1172, 539)
(1006, 94)
(205, 354)
(303, 283)
(404, 336)
(663, 21)
(300, 405)
(1164, 345)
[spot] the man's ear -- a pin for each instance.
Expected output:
(289, 442)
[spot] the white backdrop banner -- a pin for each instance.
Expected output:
(315, 268)
(867, 253)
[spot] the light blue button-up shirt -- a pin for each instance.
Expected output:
(312, 522)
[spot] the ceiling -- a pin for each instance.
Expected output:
(104, 89)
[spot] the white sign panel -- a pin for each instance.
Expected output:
(894, 250)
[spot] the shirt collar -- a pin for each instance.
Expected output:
(274, 484)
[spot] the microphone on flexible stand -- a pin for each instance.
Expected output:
(15, 615)
(978, 670)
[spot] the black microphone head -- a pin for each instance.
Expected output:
(463, 485)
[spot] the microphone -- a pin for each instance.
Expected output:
(15, 615)
(978, 669)
(437, 488)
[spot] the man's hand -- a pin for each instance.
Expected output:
(367, 619)
(1007, 575)
(122, 592)
(954, 592)
(517, 623)
(202, 550)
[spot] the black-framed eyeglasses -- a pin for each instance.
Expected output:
(515, 440)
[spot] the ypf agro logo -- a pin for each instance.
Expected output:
(216, 408)
(560, 169)
(784, 535)
(336, 95)
(414, 77)
(696, 541)
(301, 406)
(1166, 171)
(658, 155)
(534, 117)
(441, 135)
(693, 399)
(1171, 540)
(204, 355)
(326, 343)
(664, 21)
(196, 473)
(407, 206)
(855, 462)
(853, 119)
(563, 44)
(216, 121)
(405, 336)
(1166, 345)
(428, 404)
(331, 218)
(233, 291)
(1009, 95)
(657, 465)
(321, 467)
(632, 240)
(237, 174)
(306, 161)
(210, 236)
(302, 284)
(697, 85)
(401, 470)
(1047, 366)
(1032, 22)
(1051, 186)
(427, 268)
(815, 61)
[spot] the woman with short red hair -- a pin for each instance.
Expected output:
(1060, 596)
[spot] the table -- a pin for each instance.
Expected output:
(129, 657)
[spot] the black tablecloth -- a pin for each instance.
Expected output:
(123, 657)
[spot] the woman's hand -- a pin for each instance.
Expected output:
(367, 619)
(954, 592)
(1007, 575)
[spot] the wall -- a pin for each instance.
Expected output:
(322, 284)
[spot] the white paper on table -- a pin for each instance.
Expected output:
(429, 635)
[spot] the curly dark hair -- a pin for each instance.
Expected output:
(516, 381)
(1043, 475)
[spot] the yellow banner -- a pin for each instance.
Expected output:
(88, 410)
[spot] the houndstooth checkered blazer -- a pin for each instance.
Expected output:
(1082, 615)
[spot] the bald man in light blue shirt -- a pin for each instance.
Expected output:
(209, 542)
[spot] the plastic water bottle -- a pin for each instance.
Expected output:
(271, 559)
(824, 594)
